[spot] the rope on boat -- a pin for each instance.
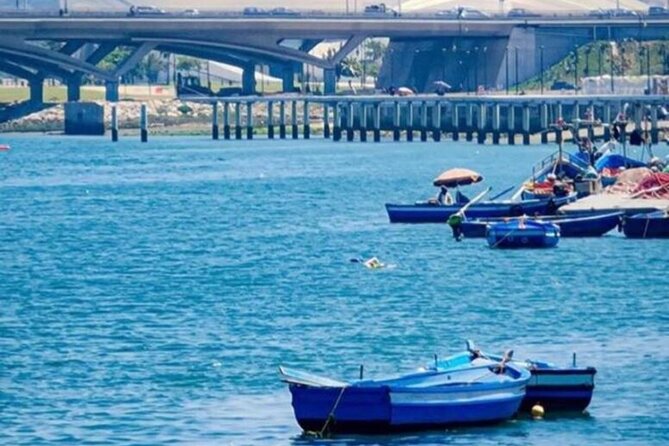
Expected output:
(508, 234)
(331, 416)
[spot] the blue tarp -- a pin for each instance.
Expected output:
(616, 161)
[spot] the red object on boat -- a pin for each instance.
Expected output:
(4, 148)
(655, 185)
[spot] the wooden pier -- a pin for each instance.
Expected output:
(495, 119)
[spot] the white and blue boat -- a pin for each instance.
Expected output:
(429, 399)
(522, 233)
(554, 388)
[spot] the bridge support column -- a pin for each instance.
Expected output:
(238, 120)
(363, 122)
(436, 122)
(326, 121)
(37, 91)
(396, 121)
(495, 123)
(74, 89)
(111, 91)
(270, 120)
(282, 120)
(249, 120)
(410, 121)
(307, 123)
(469, 135)
(226, 120)
(336, 122)
(143, 124)
(511, 124)
(114, 123)
(214, 121)
(543, 117)
(329, 82)
(526, 124)
(295, 131)
(377, 122)
(249, 79)
(481, 131)
(455, 121)
(423, 121)
(350, 135)
(288, 79)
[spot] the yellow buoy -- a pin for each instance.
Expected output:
(537, 411)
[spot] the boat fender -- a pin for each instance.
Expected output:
(538, 411)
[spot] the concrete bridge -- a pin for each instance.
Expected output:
(423, 48)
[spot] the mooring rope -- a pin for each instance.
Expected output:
(331, 414)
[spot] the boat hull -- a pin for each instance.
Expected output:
(587, 225)
(560, 389)
(435, 213)
(517, 236)
(385, 409)
(652, 225)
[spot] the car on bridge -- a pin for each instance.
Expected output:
(613, 13)
(380, 9)
(252, 10)
(464, 13)
(516, 13)
(136, 11)
(284, 12)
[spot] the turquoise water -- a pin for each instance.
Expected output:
(149, 292)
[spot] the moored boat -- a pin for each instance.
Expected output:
(433, 212)
(432, 399)
(554, 388)
(522, 233)
(648, 225)
(585, 224)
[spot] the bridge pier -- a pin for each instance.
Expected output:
(469, 131)
(410, 121)
(36, 90)
(288, 79)
(481, 133)
(143, 124)
(511, 124)
(214, 121)
(74, 89)
(238, 120)
(329, 82)
(654, 131)
(495, 123)
(111, 91)
(326, 121)
(377, 123)
(249, 120)
(423, 121)
(526, 125)
(455, 121)
(249, 79)
(606, 119)
(114, 123)
(293, 120)
(363, 122)
(282, 120)
(350, 135)
(226, 120)
(336, 122)
(396, 121)
(543, 117)
(270, 120)
(306, 124)
(436, 122)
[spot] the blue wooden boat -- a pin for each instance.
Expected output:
(650, 225)
(554, 388)
(522, 233)
(433, 212)
(610, 165)
(428, 399)
(584, 224)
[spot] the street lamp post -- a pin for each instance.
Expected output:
(541, 58)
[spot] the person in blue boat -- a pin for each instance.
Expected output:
(444, 196)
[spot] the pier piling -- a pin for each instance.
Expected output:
(469, 123)
(496, 120)
(436, 122)
(396, 121)
(526, 125)
(226, 120)
(350, 118)
(423, 121)
(410, 121)
(654, 131)
(363, 122)
(326, 121)
(377, 123)
(543, 118)
(282, 119)
(455, 121)
(481, 131)
(270, 120)
(214, 121)
(249, 120)
(336, 122)
(238, 120)
(293, 119)
(143, 124)
(114, 123)
(511, 124)
(306, 121)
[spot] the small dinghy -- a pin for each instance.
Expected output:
(428, 399)
(522, 233)
(651, 225)
(5, 148)
(554, 388)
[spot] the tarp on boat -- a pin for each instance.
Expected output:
(457, 177)
(628, 180)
